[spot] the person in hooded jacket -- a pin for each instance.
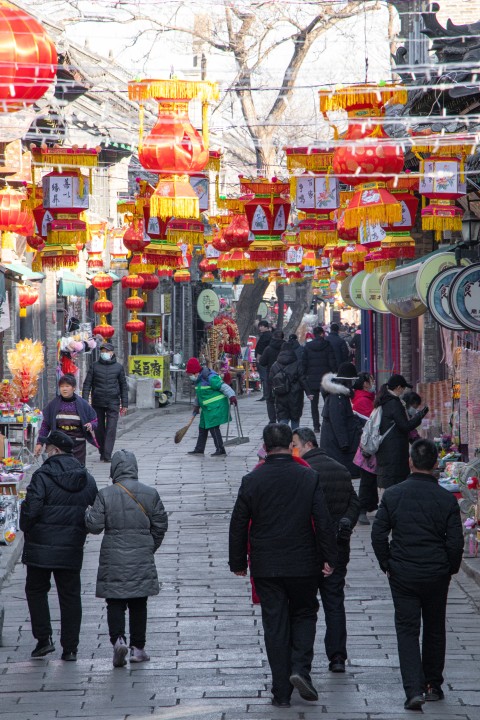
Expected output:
(393, 454)
(341, 429)
(268, 357)
(107, 384)
(318, 360)
(363, 404)
(135, 522)
(339, 345)
(52, 519)
(288, 383)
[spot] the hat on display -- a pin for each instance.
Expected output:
(397, 381)
(193, 366)
(60, 440)
(347, 371)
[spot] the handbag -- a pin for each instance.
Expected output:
(134, 499)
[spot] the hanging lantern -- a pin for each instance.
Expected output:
(309, 259)
(354, 253)
(35, 242)
(134, 236)
(95, 246)
(14, 215)
(102, 307)
(134, 303)
(237, 233)
(135, 327)
(248, 279)
(181, 276)
(27, 57)
(267, 215)
(379, 260)
(27, 296)
(102, 282)
(207, 277)
(150, 283)
(236, 260)
(117, 250)
(208, 265)
(185, 232)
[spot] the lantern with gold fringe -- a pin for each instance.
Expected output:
(267, 214)
(185, 232)
(248, 279)
(27, 296)
(207, 277)
(102, 306)
(237, 260)
(134, 303)
(182, 276)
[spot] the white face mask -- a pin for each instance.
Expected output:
(105, 356)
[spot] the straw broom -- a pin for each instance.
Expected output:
(180, 434)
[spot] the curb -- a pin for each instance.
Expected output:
(471, 567)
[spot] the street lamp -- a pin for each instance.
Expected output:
(470, 227)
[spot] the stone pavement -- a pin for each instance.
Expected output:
(205, 637)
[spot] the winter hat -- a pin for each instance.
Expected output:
(309, 336)
(347, 371)
(397, 380)
(60, 440)
(108, 347)
(193, 366)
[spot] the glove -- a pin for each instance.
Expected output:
(196, 411)
(233, 400)
(424, 411)
(344, 529)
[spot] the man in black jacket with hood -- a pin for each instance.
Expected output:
(339, 345)
(318, 360)
(424, 552)
(268, 357)
(344, 508)
(52, 517)
(281, 511)
(107, 384)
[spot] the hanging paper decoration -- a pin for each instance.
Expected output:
(267, 214)
(103, 306)
(27, 295)
(236, 233)
(15, 216)
(25, 362)
(117, 250)
(134, 304)
(96, 242)
(182, 276)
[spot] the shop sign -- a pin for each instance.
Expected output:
(464, 297)
(372, 292)
(437, 299)
(356, 291)
(345, 291)
(208, 305)
(430, 268)
(151, 366)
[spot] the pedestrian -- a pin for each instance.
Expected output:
(107, 384)
(343, 506)
(212, 397)
(363, 403)
(356, 345)
(70, 414)
(134, 523)
(318, 360)
(52, 519)
(341, 429)
(295, 346)
(287, 382)
(425, 550)
(339, 345)
(412, 402)
(392, 455)
(281, 511)
(264, 337)
(268, 357)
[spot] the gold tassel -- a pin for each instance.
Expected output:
(293, 186)
(205, 127)
(383, 214)
(316, 238)
(166, 207)
(316, 162)
(66, 237)
(440, 223)
(173, 89)
(59, 157)
(186, 236)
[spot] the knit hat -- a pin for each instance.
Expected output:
(309, 336)
(347, 371)
(193, 366)
(60, 440)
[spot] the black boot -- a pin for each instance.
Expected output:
(218, 452)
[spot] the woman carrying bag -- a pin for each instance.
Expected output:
(135, 522)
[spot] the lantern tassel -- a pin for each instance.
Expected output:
(382, 214)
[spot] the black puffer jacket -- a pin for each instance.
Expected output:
(289, 406)
(336, 482)
(52, 516)
(107, 382)
(262, 343)
(270, 354)
(341, 429)
(291, 532)
(393, 453)
(427, 535)
(318, 359)
(340, 348)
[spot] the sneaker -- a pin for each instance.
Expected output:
(414, 703)
(69, 656)
(337, 664)
(120, 651)
(217, 453)
(363, 519)
(304, 687)
(433, 693)
(276, 702)
(262, 399)
(43, 647)
(138, 655)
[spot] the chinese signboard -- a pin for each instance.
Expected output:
(65, 192)
(151, 366)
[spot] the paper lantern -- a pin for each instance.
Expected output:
(185, 232)
(207, 277)
(106, 331)
(267, 215)
(134, 303)
(248, 279)
(208, 265)
(102, 281)
(237, 233)
(182, 276)
(135, 327)
(134, 236)
(236, 260)
(14, 215)
(27, 296)
(102, 307)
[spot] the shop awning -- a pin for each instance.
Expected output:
(21, 270)
(71, 284)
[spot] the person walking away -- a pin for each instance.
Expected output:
(363, 403)
(425, 550)
(295, 346)
(69, 413)
(356, 346)
(268, 357)
(281, 511)
(341, 429)
(264, 337)
(318, 360)
(287, 382)
(134, 523)
(339, 345)
(343, 506)
(212, 397)
(52, 518)
(107, 384)
(392, 455)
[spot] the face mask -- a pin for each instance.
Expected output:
(105, 356)
(193, 378)
(373, 388)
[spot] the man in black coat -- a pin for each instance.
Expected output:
(107, 384)
(268, 357)
(318, 359)
(424, 552)
(287, 383)
(339, 345)
(281, 511)
(52, 517)
(264, 337)
(344, 508)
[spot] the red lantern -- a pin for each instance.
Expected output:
(182, 276)
(207, 277)
(106, 331)
(35, 242)
(102, 281)
(248, 279)
(267, 215)
(27, 296)
(135, 327)
(102, 307)
(237, 233)
(208, 265)
(133, 281)
(13, 215)
(150, 282)
(27, 57)
(134, 303)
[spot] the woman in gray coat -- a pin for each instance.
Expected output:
(135, 522)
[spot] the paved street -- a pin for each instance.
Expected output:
(208, 660)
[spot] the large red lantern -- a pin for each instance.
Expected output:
(134, 303)
(14, 216)
(102, 282)
(27, 296)
(28, 59)
(134, 236)
(267, 215)
(237, 233)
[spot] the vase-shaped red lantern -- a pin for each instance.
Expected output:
(102, 306)
(27, 296)
(182, 275)
(267, 215)
(237, 233)
(28, 59)
(14, 215)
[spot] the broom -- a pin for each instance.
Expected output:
(180, 434)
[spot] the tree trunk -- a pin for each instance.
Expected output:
(300, 307)
(247, 306)
(281, 303)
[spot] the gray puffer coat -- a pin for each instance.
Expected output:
(127, 565)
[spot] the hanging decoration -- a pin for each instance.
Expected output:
(96, 244)
(134, 304)
(27, 296)
(103, 306)
(267, 213)
(25, 362)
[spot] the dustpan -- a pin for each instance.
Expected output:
(241, 438)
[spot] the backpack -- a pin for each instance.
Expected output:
(371, 437)
(281, 383)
